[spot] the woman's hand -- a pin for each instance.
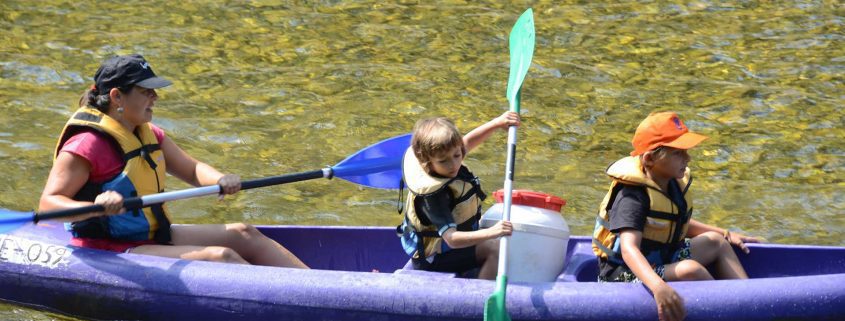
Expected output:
(112, 202)
(502, 228)
(509, 118)
(229, 184)
(739, 240)
(670, 305)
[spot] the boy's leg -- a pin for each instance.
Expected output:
(246, 240)
(711, 248)
(487, 254)
(686, 270)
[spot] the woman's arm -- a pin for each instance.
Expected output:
(480, 134)
(194, 172)
(68, 175)
(459, 239)
(670, 305)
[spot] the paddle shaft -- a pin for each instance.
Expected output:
(506, 215)
(133, 203)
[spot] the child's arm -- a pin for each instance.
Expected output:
(480, 134)
(459, 239)
(670, 305)
(697, 228)
(436, 208)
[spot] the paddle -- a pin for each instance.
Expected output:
(379, 165)
(521, 45)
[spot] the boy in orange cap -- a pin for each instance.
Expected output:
(644, 232)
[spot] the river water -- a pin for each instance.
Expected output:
(264, 88)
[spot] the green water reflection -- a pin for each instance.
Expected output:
(264, 88)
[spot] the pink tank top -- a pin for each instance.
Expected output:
(98, 150)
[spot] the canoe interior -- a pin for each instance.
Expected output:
(369, 248)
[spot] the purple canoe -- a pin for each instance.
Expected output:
(38, 269)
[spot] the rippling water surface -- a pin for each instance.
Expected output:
(264, 88)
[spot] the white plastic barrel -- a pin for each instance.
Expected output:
(540, 235)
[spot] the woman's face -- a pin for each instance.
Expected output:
(448, 163)
(138, 105)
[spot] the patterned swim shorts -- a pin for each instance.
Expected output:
(623, 274)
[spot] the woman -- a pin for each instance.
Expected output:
(109, 150)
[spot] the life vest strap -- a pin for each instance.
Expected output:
(612, 255)
(95, 227)
(679, 226)
(475, 190)
(665, 216)
(87, 117)
(162, 234)
(400, 205)
(144, 151)
(603, 222)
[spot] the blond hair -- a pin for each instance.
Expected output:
(434, 136)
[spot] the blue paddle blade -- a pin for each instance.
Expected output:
(379, 165)
(12, 220)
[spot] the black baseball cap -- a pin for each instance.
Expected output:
(120, 71)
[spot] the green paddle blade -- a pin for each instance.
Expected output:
(494, 308)
(521, 44)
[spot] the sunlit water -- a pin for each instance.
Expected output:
(271, 87)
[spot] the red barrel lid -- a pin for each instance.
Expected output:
(531, 198)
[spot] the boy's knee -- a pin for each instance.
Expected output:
(714, 240)
(493, 254)
(488, 250)
(492, 247)
(691, 270)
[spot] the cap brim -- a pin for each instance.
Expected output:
(686, 141)
(154, 83)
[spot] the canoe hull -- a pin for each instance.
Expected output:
(103, 285)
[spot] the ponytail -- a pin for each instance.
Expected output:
(90, 98)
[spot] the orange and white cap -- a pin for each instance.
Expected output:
(663, 129)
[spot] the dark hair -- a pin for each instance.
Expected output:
(100, 102)
(660, 152)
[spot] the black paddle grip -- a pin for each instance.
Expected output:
(281, 179)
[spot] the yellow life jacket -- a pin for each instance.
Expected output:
(419, 235)
(664, 222)
(143, 174)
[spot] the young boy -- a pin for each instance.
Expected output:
(440, 230)
(644, 232)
